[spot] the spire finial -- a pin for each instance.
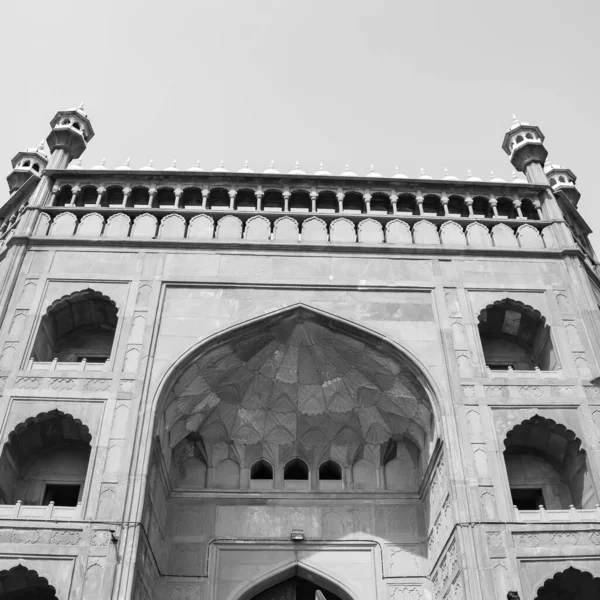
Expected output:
(245, 164)
(492, 174)
(81, 107)
(397, 169)
(79, 162)
(128, 161)
(469, 173)
(321, 166)
(371, 169)
(297, 165)
(151, 162)
(41, 146)
(347, 167)
(198, 164)
(422, 170)
(174, 163)
(514, 175)
(222, 164)
(103, 162)
(446, 172)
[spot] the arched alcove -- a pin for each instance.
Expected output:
(570, 584)
(78, 326)
(21, 583)
(295, 588)
(45, 460)
(515, 335)
(546, 466)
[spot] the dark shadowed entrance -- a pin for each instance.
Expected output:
(294, 588)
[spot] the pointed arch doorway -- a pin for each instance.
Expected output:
(295, 588)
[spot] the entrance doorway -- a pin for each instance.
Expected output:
(295, 588)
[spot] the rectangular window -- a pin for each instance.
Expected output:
(61, 494)
(527, 498)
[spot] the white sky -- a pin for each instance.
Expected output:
(363, 82)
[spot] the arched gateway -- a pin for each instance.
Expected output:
(274, 427)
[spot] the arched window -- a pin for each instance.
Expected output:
(76, 327)
(227, 475)
(261, 469)
(295, 474)
(330, 471)
(188, 466)
(20, 583)
(45, 460)
(546, 466)
(515, 335)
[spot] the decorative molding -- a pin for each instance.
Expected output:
(96, 385)
(61, 384)
(66, 537)
(27, 383)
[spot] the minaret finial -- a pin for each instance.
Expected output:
(198, 164)
(81, 107)
(79, 162)
(151, 162)
(103, 162)
(41, 146)
(492, 174)
(514, 175)
(422, 170)
(174, 163)
(469, 173)
(128, 161)
(446, 172)
(245, 164)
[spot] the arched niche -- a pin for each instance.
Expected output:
(21, 583)
(515, 335)
(297, 377)
(572, 584)
(330, 588)
(45, 460)
(79, 326)
(547, 466)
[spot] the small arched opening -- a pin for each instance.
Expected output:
(191, 198)
(401, 465)
(327, 202)
(515, 336)
(261, 475)
(481, 207)
(300, 201)
(273, 201)
(506, 208)
(528, 210)
(165, 198)
(407, 204)
(88, 196)
(140, 196)
(457, 206)
(20, 583)
(570, 584)
(79, 326)
(354, 203)
(245, 200)
(296, 474)
(45, 460)
(64, 196)
(432, 205)
(114, 196)
(546, 466)
(380, 203)
(218, 199)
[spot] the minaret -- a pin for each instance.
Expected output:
(563, 180)
(71, 132)
(26, 164)
(524, 143)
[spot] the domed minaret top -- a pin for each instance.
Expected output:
(524, 143)
(563, 180)
(25, 164)
(71, 132)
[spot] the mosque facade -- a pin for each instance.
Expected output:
(239, 385)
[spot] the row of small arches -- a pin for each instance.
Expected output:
(301, 200)
(288, 229)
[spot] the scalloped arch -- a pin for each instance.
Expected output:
(30, 577)
(564, 581)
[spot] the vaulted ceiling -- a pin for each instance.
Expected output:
(298, 378)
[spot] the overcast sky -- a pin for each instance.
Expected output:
(413, 84)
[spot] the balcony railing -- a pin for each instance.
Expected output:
(552, 516)
(306, 228)
(46, 513)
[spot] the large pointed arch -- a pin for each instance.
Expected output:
(287, 571)
(390, 391)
